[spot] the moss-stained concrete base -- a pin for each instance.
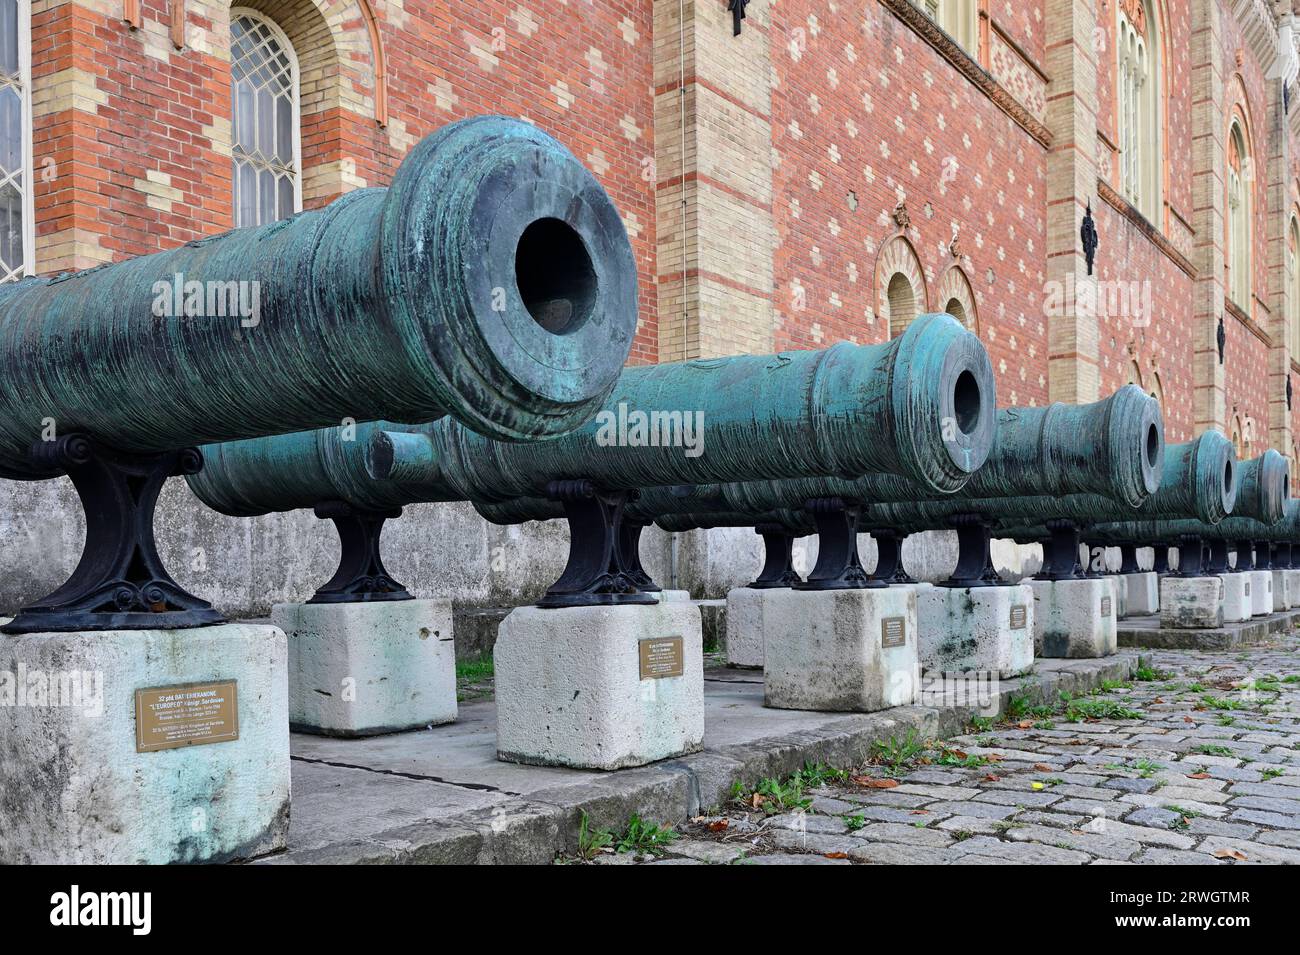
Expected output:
(440, 796)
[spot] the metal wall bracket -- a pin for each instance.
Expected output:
(120, 582)
(361, 576)
(1160, 558)
(838, 565)
(1128, 559)
(594, 575)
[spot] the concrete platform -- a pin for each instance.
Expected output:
(1147, 632)
(441, 796)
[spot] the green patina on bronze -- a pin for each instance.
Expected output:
(920, 406)
(492, 281)
(1114, 447)
(1198, 481)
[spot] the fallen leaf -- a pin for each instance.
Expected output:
(1042, 767)
(958, 753)
(872, 783)
(719, 825)
(836, 855)
(1198, 775)
(990, 778)
(1230, 854)
(1157, 700)
(1025, 724)
(758, 800)
(1037, 785)
(993, 757)
(1188, 719)
(920, 812)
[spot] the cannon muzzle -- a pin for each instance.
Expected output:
(493, 281)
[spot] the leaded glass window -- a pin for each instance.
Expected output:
(264, 91)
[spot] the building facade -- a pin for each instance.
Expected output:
(814, 171)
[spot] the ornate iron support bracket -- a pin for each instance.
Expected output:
(594, 575)
(737, 10)
(628, 553)
(838, 565)
(889, 556)
(1088, 235)
(974, 559)
(1218, 557)
(1061, 552)
(1263, 555)
(1160, 558)
(1245, 555)
(1128, 559)
(1191, 558)
(120, 582)
(1284, 556)
(778, 559)
(361, 576)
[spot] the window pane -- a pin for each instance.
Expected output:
(266, 204)
(284, 130)
(286, 196)
(11, 228)
(9, 37)
(11, 131)
(244, 116)
(265, 124)
(247, 210)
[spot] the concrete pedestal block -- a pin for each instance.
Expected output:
(1120, 586)
(1074, 618)
(360, 669)
(77, 791)
(1261, 592)
(841, 650)
(1143, 593)
(600, 687)
(1236, 598)
(1286, 590)
(745, 626)
(976, 629)
(1190, 603)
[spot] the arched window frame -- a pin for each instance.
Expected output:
(296, 114)
(25, 176)
(1240, 212)
(1139, 103)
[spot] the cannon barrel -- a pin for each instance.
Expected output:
(921, 405)
(493, 280)
(1113, 447)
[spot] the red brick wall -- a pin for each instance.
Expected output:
(896, 122)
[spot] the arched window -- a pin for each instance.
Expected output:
(959, 19)
(902, 304)
(1239, 217)
(17, 230)
(264, 92)
(1138, 106)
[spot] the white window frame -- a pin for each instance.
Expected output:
(1293, 282)
(296, 89)
(1139, 113)
(28, 172)
(1240, 282)
(959, 19)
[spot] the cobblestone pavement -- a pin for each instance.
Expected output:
(1197, 762)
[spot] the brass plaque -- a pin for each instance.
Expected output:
(1019, 617)
(1105, 606)
(662, 657)
(168, 717)
(893, 632)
